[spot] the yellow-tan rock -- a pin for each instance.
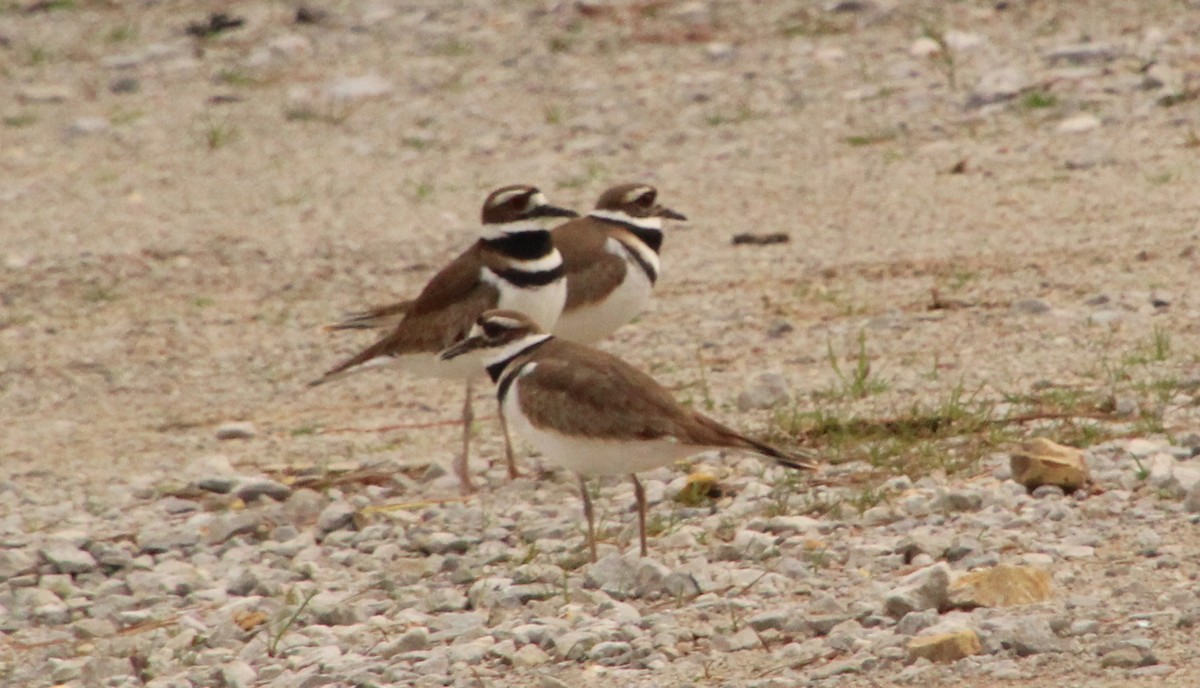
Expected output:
(945, 647)
(1000, 586)
(1042, 462)
(700, 487)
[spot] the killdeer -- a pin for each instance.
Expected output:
(513, 265)
(610, 261)
(590, 411)
(610, 258)
(374, 318)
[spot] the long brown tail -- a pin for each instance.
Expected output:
(367, 358)
(788, 459)
(721, 435)
(374, 318)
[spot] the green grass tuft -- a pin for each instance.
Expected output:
(1039, 100)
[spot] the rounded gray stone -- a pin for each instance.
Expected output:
(767, 391)
(251, 489)
(926, 588)
(335, 516)
(237, 674)
(236, 431)
(15, 562)
(67, 558)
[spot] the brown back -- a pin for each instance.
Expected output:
(441, 315)
(591, 271)
(579, 390)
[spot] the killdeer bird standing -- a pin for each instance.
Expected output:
(610, 262)
(513, 265)
(590, 411)
(610, 258)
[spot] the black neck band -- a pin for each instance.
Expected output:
(650, 236)
(525, 245)
(496, 370)
(647, 268)
(529, 280)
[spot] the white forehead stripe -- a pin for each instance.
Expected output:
(636, 193)
(621, 216)
(506, 196)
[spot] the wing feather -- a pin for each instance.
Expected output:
(429, 325)
(591, 271)
(578, 390)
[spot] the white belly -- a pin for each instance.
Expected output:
(591, 457)
(427, 365)
(421, 364)
(542, 304)
(594, 321)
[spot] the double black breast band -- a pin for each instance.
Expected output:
(651, 237)
(528, 245)
(642, 263)
(528, 280)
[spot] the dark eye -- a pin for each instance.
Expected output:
(492, 330)
(646, 200)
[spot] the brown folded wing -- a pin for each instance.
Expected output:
(585, 392)
(440, 316)
(375, 318)
(592, 272)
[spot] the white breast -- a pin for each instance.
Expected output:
(593, 457)
(594, 321)
(542, 304)
(428, 365)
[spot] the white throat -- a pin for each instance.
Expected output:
(499, 230)
(626, 218)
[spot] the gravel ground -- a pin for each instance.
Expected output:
(992, 200)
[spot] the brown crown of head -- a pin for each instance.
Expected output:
(636, 200)
(519, 202)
